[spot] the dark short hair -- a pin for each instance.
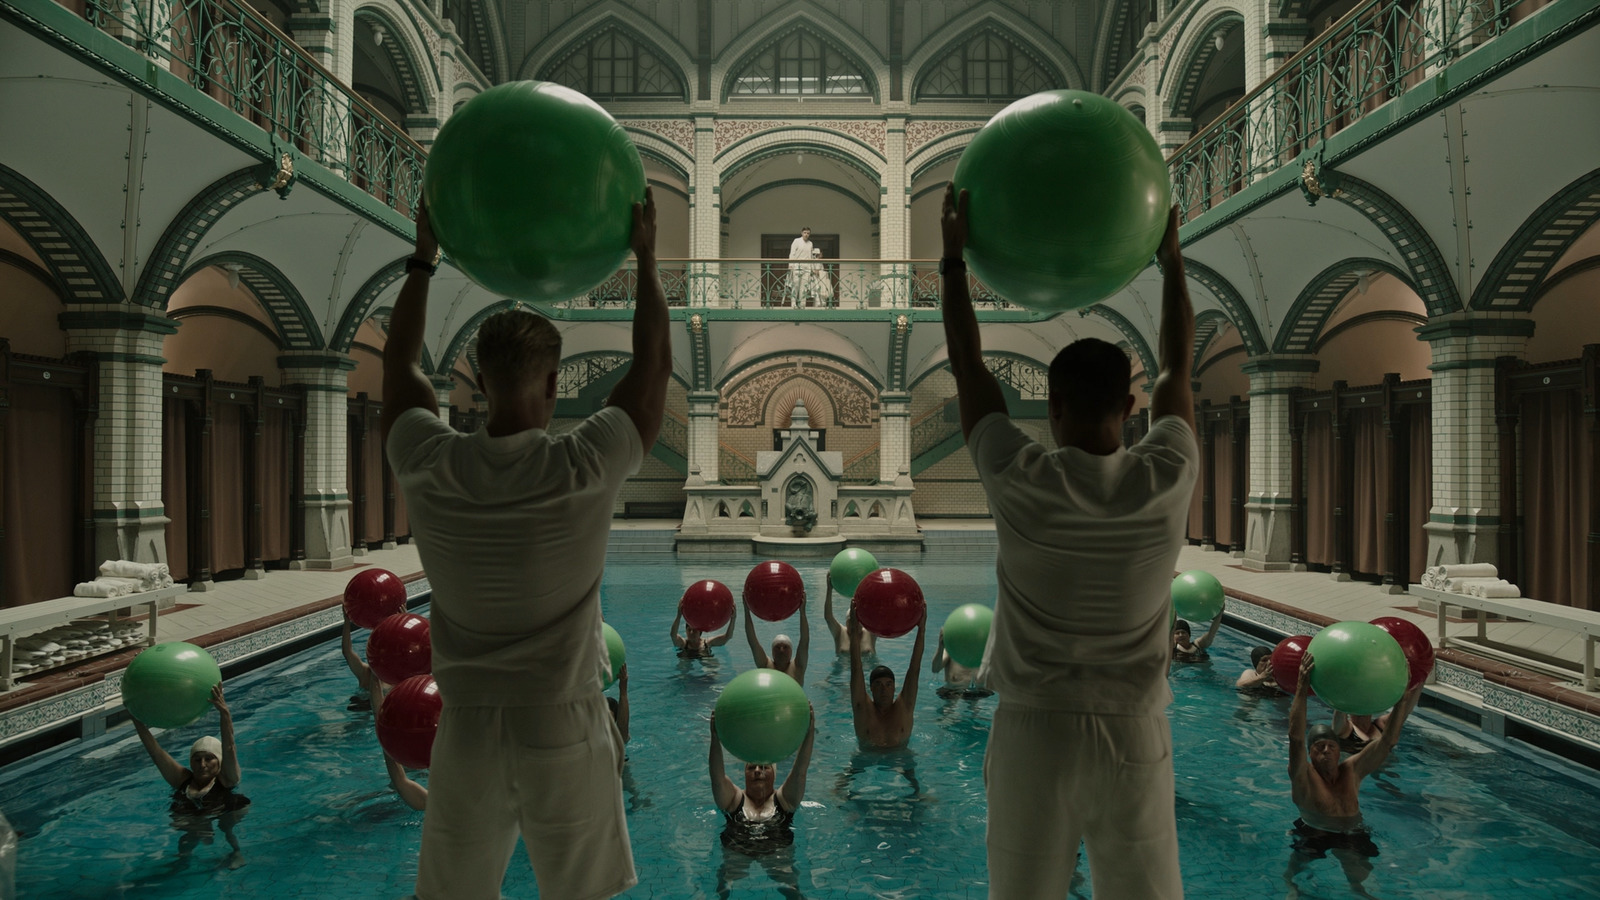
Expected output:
(1257, 654)
(612, 702)
(1180, 625)
(1092, 378)
(805, 227)
(880, 672)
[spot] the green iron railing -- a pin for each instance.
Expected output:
(227, 50)
(780, 284)
(1375, 53)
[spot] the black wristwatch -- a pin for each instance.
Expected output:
(950, 265)
(417, 265)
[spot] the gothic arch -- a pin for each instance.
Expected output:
(358, 309)
(170, 256)
(1519, 270)
(749, 393)
(939, 151)
(1309, 313)
(1188, 36)
(275, 292)
(1208, 323)
(1429, 276)
(483, 32)
(1016, 28)
(668, 154)
(787, 141)
(1108, 42)
(405, 53)
(1195, 50)
(799, 14)
(78, 266)
(1232, 303)
(580, 29)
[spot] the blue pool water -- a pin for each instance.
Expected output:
(1457, 814)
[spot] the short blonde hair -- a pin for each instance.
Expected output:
(516, 346)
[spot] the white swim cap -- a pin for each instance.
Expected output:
(209, 745)
(782, 639)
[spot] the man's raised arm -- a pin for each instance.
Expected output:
(642, 392)
(405, 386)
(977, 390)
(1174, 393)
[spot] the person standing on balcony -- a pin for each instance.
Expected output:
(511, 523)
(1088, 538)
(800, 261)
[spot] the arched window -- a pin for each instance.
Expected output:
(989, 66)
(800, 63)
(614, 65)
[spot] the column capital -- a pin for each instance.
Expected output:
(317, 360)
(442, 383)
(120, 318)
(1281, 363)
(1473, 324)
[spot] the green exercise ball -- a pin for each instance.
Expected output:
(1358, 668)
(617, 652)
(1068, 198)
(763, 716)
(169, 685)
(530, 189)
(966, 634)
(849, 566)
(1197, 596)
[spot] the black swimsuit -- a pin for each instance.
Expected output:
(755, 838)
(219, 799)
(1317, 843)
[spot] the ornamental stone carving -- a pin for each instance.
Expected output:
(674, 131)
(747, 401)
(920, 133)
(731, 131)
(871, 132)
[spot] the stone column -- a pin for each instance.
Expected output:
(327, 496)
(894, 429)
(129, 518)
(705, 216)
(894, 219)
(1465, 519)
(703, 434)
(1269, 501)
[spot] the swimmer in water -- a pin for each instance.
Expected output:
(203, 791)
(883, 721)
(785, 657)
(361, 701)
(1258, 678)
(1326, 789)
(1186, 652)
(959, 681)
(841, 640)
(758, 820)
(693, 644)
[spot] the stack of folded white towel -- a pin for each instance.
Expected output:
(119, 578)
(1472, 579)
(67, 643)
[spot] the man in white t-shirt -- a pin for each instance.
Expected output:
(511, 523)
(799, 279)
(1088, 538)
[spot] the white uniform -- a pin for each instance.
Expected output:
(799, 277)
(512, 532)
(1080, 747)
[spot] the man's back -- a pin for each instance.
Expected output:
(512, 532)
(1087, 546)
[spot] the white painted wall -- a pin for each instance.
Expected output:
(783, 210)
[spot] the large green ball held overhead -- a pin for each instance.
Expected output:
(617, 653)
(849, 566)
(169, 685)
(530, 189)
(763, 716)
(1358, 668)
(1068, 198)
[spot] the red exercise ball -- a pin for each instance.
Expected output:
(706, 605)
(399, 648)
(408, 719)
(889, 603)
(1414, 641)
(773, 590)
(1286, 659)
(373, 595)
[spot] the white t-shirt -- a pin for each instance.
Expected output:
(512, 532)
(1087, 546)
(800, 248)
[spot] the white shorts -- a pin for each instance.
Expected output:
(552, 773)
(1055, 778)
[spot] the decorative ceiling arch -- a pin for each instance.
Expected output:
(1429, 276)
(274, 291)
(1309, 313)
(641, 31)
(748, 393)
(1208, 323)
(404, 54)
(799, 14)
(68, 252)
(821, 184)
(366, 297)
(1009, 24)
(597, 18)
(170, 256)
(1187, 36)
(483, 37)
(1141, 347)
(1121, 17)
(799, 140)
(1232, 303)
(939, 151)
(1513, 280)
(651, 146)
(1195, 51)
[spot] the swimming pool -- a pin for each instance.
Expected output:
(1456, 814)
